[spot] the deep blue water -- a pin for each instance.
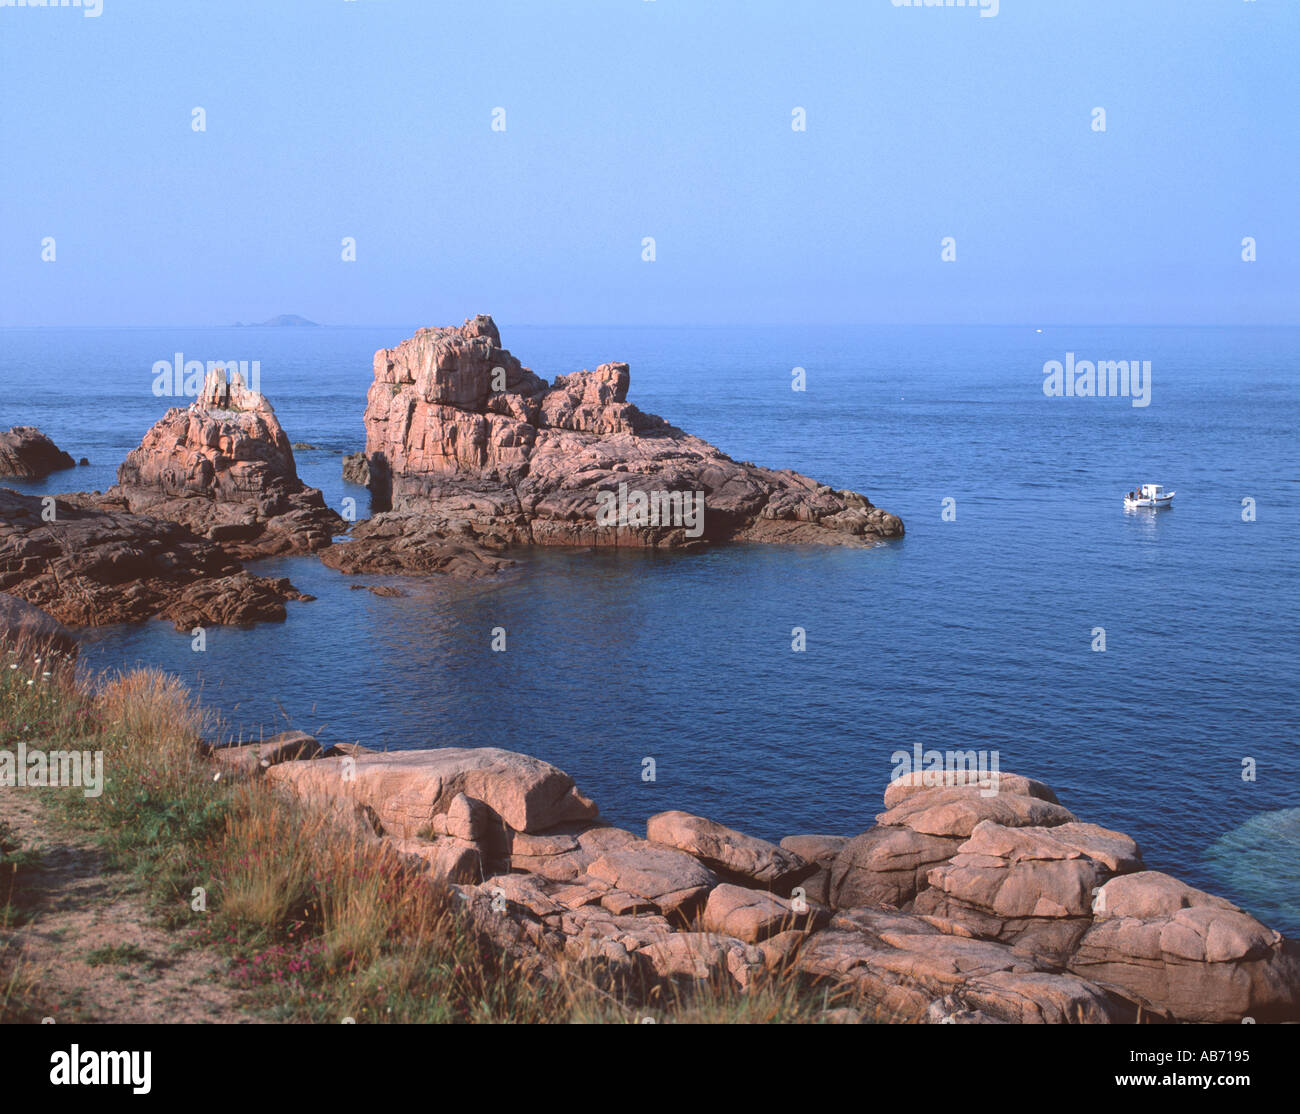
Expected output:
(974, 633)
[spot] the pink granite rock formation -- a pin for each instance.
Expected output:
(1031, 916)
(224, 468)
(459, 431)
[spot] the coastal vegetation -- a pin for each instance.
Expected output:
(309, 921)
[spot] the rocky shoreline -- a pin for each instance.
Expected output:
(91, 567)
(468, 454)
(968, 901)
(963, 902)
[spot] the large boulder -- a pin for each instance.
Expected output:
(885, 866)
(27, 454)
(1177, 950)
(408, 789)
(731, 854)
(966, 775)
(753, 916)
(953, 812)
(1033, 887)
(25, 626)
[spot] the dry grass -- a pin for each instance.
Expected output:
(319, 920)
(154, 711)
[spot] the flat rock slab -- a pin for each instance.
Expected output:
(563, 854)
(1039, 998)
(701, 955)
(1115, 851)
(673, 880)
(407, 789)
(955, 812)
(523, 890)
(919, 781)
(254, 758)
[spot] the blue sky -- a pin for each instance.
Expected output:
(663, 118)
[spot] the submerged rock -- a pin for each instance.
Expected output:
(1262, 858)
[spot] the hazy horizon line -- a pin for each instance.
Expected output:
(712, 325)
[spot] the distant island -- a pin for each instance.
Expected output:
(283, 319)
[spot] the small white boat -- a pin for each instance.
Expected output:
(1150, 495)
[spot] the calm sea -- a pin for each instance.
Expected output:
(974, 633)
